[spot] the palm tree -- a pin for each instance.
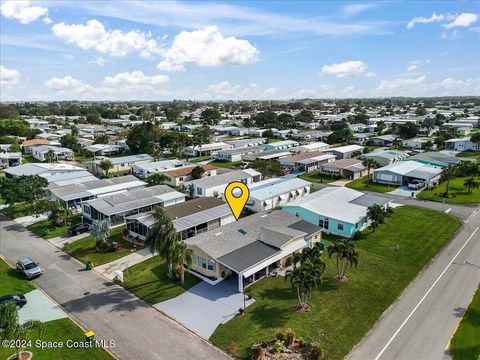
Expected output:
(305, 278)
(471, 184)
(475, 138)
(59, 213)
(156, 179)
(447, 174)
(345, 252)
(100, 231)
(12, 330)
(106, 165)
(369, 164)
(182, 256)
(377, 214)
(50, 156)
(161, 237)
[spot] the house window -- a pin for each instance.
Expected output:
(181, 178)
(340, 227)
(199, 191)
(323, 223)
(211, 266)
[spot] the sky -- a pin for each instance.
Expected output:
(164, 50)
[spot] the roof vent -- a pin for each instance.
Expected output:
(241, 231)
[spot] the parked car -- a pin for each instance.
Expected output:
(416, 185)
(29, 268)
(79, 229)
(17, 299)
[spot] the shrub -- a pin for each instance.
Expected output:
(289, 261)
(357, 235)
(315, 351)
(279, 346)
(280, 336)
(289, 337)
(258, 351)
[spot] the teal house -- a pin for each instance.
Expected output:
(337, 210)
(280, 145)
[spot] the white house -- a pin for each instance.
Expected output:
(215, 185)
(58, 153)
(206, 149)
(461, 144)
(272, 193)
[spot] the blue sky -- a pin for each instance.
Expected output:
(159, 50)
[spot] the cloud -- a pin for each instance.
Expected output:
(397, 87)
(9, 76)
(271, 92)
(224, 88)
(345, 69)
(207, 47)
(98, 61)
(135, 78)
(461, 87)
(462, 20)
(67, 83)
(423, 20)
(371, 74)
(354, 9)
(412, 67)
(22, 11)
(93, 35)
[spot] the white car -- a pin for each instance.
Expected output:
(416, 185)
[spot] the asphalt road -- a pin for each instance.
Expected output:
(420, 324)
(139, 331)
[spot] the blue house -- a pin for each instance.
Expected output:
(337, 210)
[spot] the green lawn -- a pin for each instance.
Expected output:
(316, 177)
(465, 344)
(341, 314)
(148, 280)
(361, 184)
(57, 330)
(226, 164)
(469, 154)
(15, 211)
(29, 159)
(458, 194)
(84, 249)
(274, 140)
(53, 231)
(199, 159)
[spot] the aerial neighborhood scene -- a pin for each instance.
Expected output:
(291, 180)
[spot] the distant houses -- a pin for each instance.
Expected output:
(42, 152)
(120, 164)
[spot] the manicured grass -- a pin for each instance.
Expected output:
(199, 159)
(273, 140)
(465, 344)
(458, 194)
(57, 330)
(84, 249)
(226, 164)
(361, 184)
(148, 280)
(316, 177)
(342, 313)
(29, 159)
(12, 282)
(469, 154)
(16, 211)
(53, 231)
(80, 158)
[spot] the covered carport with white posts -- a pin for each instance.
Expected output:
(256, 260)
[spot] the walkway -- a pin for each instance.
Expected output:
(60, 241)
(204, 307)
(108, 270)
(139, 331)
(31, 219)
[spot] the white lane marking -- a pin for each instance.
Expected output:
(472, 214)
(424, 296)
(448, 210)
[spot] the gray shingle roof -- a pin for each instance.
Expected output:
(248, 256)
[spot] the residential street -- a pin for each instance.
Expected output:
(420, 324)
(139, 331)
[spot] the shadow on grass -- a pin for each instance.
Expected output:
(271, 316)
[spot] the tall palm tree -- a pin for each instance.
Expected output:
(345, 252)
(369, 164)
(100, 231)
(182, 256)
(305, 278)
(447, 174)
(471, 184)
(161, 237)
(156, 179)
(106, 165)
(50, 156)
(376, 214)
(12, 330)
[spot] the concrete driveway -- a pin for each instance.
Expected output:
(40, 307)
(404, 191)
(204, 307)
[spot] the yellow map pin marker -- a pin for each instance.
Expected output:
(235, 199)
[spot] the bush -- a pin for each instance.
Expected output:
(289, 337)
(289, 261)
(258, 351)
(315, 351)
(280, 336)
(279, 346)
(357, 235)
